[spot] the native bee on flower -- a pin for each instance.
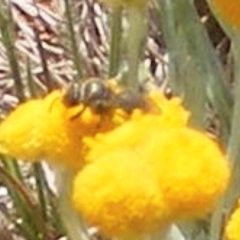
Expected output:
(101, 97)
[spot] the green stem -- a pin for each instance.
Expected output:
(30, 82)
(115, 42)
(24, 203)
(42, 55)
(234, 141)
(216, 221)
(40, 185)
(194, 70)
(70, 218)
(17, 186)
(6, 28)
(135, 41)
(233, 148)
(12, 167)
(57, 222)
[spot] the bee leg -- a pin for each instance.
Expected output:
(73, 117)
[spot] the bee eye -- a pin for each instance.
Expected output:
(72, 95)
(94, 90)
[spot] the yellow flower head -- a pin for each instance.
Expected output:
(228, 10)
(192, 171)
(232, 230)
(119, 195)
(64, 129)
(172, 111)
(47, 128)
(139, 127)
(20, 132)
(50, 129)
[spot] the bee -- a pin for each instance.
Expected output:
(129, 100)
(101, 98)
(92, 93)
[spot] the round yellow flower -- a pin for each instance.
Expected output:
(192, 171)
(119, 195)
(228, 10)
(232, 231)
(169, 114)
(63, 131)
(47, 128)
(20, 132)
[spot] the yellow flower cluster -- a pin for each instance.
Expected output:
(164, 115)
(187, 169)
(141, 170)
(120, 196)
(232, 231)
(47, 128)
(229, 11)
(192, 172)
(19, 135)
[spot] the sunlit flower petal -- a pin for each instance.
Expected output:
(192, 171)
(47, 128)
(172, 110)
(20, 134)
(120, 196)
(63, 131)
(134, 131)
(232, 231)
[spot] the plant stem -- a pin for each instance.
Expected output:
(24, 203)
(135, 40)
(6, 28)
(234, 141)
(226, 204)
(115, 42)
(70, 218)
(194, 70)
(40, 185)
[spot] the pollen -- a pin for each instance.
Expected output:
(120, 196)
(20, 133)
(191, 169)
(48, 129)
(165, 114)
(232, 231)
